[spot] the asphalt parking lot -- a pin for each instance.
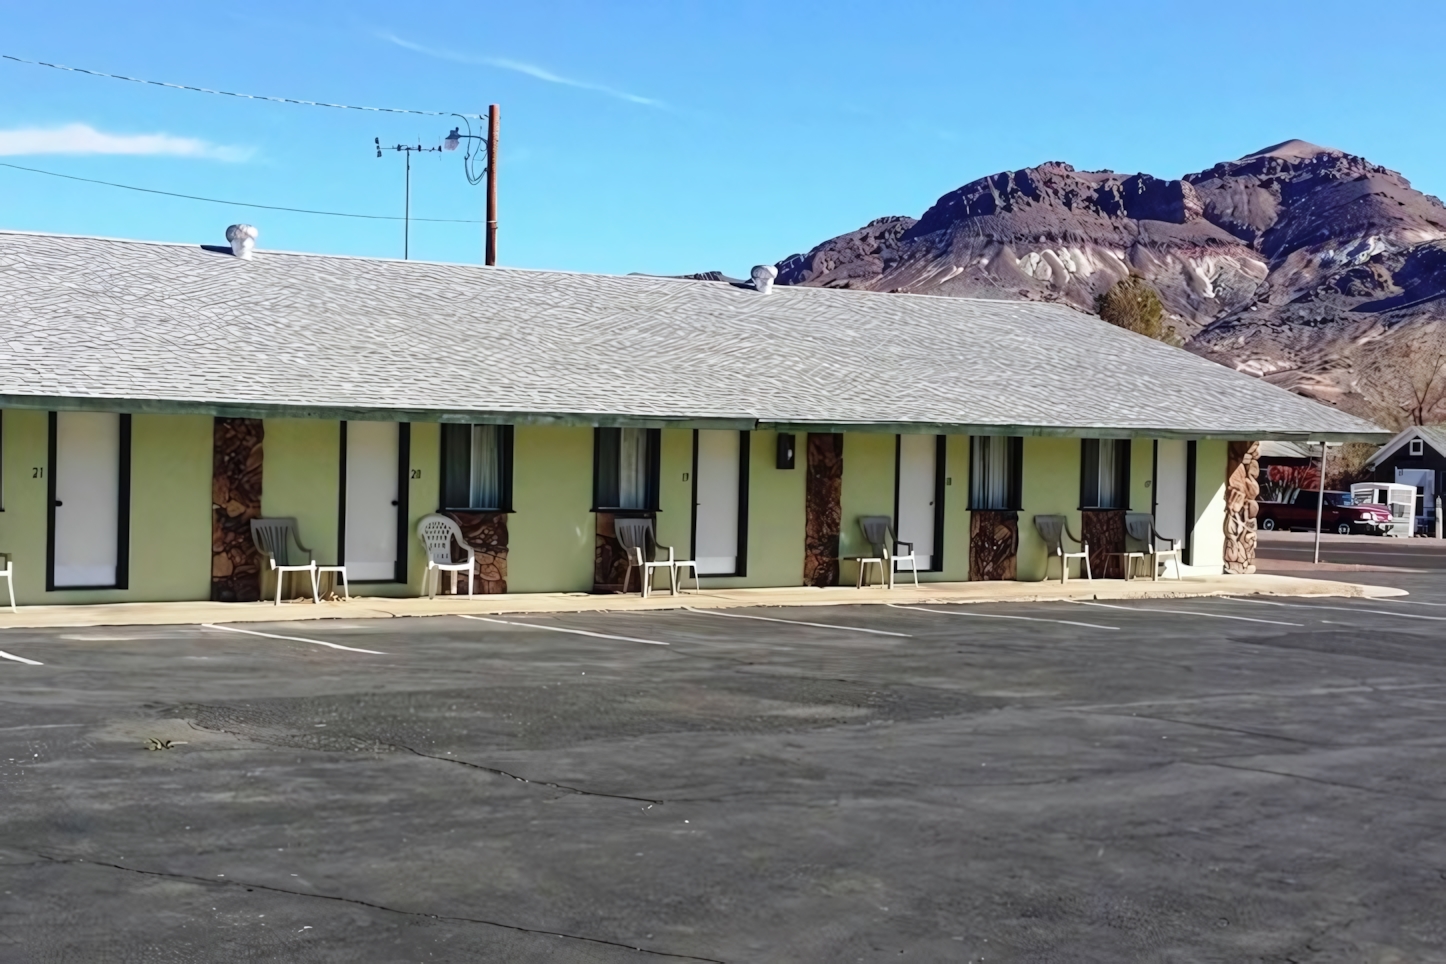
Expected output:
(1163, 780)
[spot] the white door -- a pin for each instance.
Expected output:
(1171, 460)
(715, 519)
(87, 498)
(1424, 481)
(916, 495)
(371, 500)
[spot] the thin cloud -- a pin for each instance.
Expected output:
(84, 139)
(517, 66)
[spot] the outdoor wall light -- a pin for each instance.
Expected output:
(785, 450)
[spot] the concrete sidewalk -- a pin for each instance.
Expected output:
(361, 607)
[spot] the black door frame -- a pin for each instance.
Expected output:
(740, 566)
(123, 515)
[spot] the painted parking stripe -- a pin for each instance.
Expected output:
(559, 629)
(1028, 619)
(20, 659)
(1341, 609)
(796, 622)
(293, 639)
(1187, 612)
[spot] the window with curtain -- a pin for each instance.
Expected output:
(994, 471)
(477, 467)
(626, 468)
(1105, 473)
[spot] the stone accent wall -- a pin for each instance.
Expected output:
(235, 501)
(486, 533)
(823, 509)
(993, 545)
(1104, 530)
(610, 561)
(1242, 494)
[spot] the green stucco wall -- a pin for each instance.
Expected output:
(1142, 469)
(956, 513)
(170, 510)
(1049, 486)
(675, 491)
(1207, 548)
(301, 476)
(552, 530)
(868, 489)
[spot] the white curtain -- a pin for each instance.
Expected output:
(1108, 474)
(485, 488)
(991, 471)
(633, 468)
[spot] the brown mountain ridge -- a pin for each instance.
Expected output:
(1302, 264)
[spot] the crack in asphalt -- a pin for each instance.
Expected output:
(1210, 726)
(1328, 783)
(521, 779)
(518, 928)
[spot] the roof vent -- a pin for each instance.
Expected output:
(763, 276)
(243, 240)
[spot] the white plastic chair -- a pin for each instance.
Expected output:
(438, 533)
(1054, 529)
(1140, 526)
(880, 534)
(274, 539)
(8, 574)
(641, 546)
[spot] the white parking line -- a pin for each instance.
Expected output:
(559, 629)
(294, 639)
(19, 659)
(1028, 619)
(1410, 602)
(795, 622)
(1341, 609)
(1187, 612)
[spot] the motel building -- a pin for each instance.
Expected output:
(158, 397)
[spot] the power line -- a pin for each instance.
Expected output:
(228, 93)
(240, 204)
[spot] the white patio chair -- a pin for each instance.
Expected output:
(641, 547)
(1137, 543)
(438, 533)
(8, 574)
(1054, 530)
(1144, 524)
(880, 535)
(274, 539)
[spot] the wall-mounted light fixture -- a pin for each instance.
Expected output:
(785, 450)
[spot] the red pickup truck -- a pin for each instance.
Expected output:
(1340, 514)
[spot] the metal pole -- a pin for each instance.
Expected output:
(1438, 517)
(407, 214)
(1320, 501)
(493, 122)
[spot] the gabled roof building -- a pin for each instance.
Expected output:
(157, 397)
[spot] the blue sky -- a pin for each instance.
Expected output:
(676, 136)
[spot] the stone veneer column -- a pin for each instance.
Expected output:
(1242, 494)
(235, 501)
(823, 509)
(1104, 530)
(993, 545)
(486, 533)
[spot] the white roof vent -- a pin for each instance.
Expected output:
(763, 276)
(243, 240)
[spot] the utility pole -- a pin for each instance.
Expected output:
(1320, 502)
(493, 121)
(407, 217)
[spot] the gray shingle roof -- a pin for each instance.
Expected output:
(1432, 435)
(138, 326)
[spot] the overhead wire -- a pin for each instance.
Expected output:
(242, 204)
(228, 93)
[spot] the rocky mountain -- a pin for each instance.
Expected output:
(1290, 263)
